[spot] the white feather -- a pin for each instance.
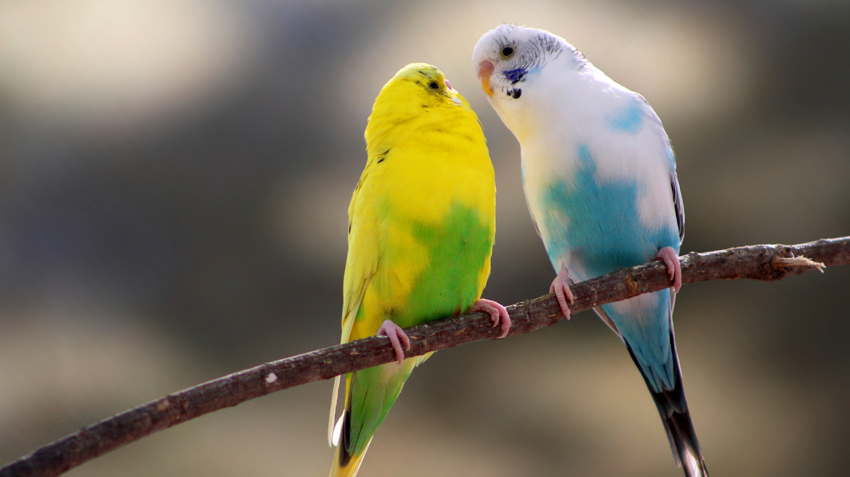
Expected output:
(568, 101)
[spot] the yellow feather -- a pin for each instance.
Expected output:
(426, 157)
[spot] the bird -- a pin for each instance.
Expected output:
(599, 176)
(421, 233)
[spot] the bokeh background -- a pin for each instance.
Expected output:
(174, 180)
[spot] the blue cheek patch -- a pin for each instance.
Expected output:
(603, 230)
(629, 120)
(515, 75)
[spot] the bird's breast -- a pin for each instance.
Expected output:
(583, 214)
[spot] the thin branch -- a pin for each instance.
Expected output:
(759, 262)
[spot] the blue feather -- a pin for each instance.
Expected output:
(629, 120)
(602, 224)
(515, 75)
(604, 233)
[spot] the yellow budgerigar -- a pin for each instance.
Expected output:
(421, 228)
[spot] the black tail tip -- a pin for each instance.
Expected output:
(345, 440)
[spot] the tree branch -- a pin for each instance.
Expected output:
(759, 262)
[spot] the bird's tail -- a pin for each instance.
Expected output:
(349, 470)
(674, 412)
(370, 394)
(345, 463)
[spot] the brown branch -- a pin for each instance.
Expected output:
(760, 262)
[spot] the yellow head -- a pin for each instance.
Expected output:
(416, 90)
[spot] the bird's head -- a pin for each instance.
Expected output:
(418, 86)
(509, 58)
(419, 95)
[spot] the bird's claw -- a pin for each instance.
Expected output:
(561, 288)
(498, 314)
(674, 268)
(397, 336)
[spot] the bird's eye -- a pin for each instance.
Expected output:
(433, 85)
(507, 51)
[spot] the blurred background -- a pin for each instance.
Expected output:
(174, 180)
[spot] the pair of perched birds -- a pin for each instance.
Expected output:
(600, 181)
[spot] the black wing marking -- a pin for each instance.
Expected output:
(677, 203)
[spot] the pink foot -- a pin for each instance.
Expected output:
(497, 312)
(561, 288)
(671, 259)
(396, 336)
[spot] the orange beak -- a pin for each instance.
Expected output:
(484, 73)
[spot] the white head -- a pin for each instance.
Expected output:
(510, 55)
(509, 60)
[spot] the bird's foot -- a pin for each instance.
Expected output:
(498, 313)
(674, 268)
(561, 288)
(397, 336)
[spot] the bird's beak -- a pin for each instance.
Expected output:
(485, 70)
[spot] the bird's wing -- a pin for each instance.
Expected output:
(674, 179)
(677, 203)
(361, 265)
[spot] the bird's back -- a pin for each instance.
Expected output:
(600, 191)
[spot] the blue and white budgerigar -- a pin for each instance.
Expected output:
(600, 181)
